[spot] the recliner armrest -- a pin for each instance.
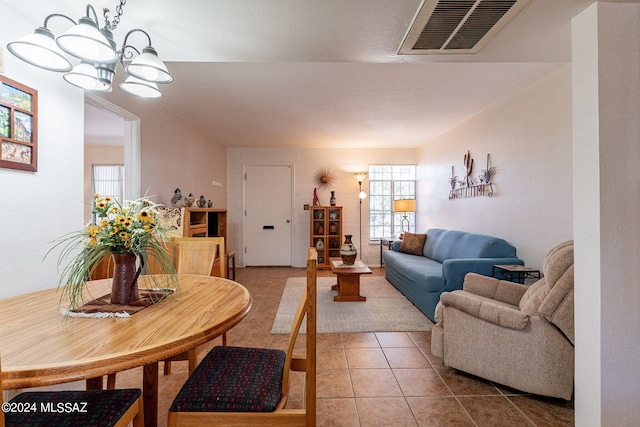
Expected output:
(490, 287)
(485, 310)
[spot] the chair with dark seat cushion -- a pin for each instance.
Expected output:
(96, 408)
(250, 386)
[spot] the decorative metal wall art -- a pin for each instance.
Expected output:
(469, 186)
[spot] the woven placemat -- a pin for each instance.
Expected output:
(102, 307)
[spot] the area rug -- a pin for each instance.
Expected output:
(385, 310)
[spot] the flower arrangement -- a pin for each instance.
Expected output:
(130, 227)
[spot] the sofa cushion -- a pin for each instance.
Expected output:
(487, 309)
(412, 243)
(450, 244)
(534, 296)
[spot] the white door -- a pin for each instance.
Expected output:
(267, 215)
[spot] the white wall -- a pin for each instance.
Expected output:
(343, 163)
(174, 154)
(606, 56)
(529, 138)
(38, 207)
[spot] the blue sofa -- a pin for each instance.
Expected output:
(446, 258)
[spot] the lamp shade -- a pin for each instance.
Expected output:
(404, 205)
(360, 176)
(85, 41)
(140, 88)
(147, 66)
(41, 50)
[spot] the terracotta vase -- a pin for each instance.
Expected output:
(348, 251)
(124, 285)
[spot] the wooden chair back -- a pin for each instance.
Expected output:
(306, 363)
(190, 264)
(195, 256)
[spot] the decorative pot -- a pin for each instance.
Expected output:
(124, 285)
(332, 200)
(348, 251)
(333, 228)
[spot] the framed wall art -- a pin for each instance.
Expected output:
(18, 126)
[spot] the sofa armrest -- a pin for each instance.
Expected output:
(395, 245)
(455, 270)
(490, 287)
(485, 310)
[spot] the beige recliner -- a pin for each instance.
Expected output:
(516, 335)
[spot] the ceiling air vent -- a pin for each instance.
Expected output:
(457, 26)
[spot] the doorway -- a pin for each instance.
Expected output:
(268, 215)
(130, 138)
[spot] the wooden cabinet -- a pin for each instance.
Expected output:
(205, 222)
(326, 232)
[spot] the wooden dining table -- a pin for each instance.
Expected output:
(39, 346)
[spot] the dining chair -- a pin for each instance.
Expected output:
(197, 255)
(250, 386)
(98, 408)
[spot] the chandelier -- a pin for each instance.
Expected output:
(96, 52)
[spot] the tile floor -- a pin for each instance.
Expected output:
(374, 379)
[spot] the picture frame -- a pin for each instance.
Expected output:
(18, 126)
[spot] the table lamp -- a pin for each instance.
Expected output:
(404, 205)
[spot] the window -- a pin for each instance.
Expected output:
(108, 180)
(386, 184)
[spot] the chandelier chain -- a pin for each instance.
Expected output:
(116, 19)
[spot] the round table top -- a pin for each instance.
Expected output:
(39, 346)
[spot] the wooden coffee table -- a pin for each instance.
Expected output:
(348, 285)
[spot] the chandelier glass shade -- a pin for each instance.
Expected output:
(95, 55)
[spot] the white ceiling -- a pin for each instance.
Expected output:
(325, 73)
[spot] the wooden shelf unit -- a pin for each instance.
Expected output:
(205, 222)
(326, 233)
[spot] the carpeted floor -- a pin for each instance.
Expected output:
(386, 309)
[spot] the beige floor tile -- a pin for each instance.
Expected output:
(376, 412)
(421, 382)
(336, 413)
(545, 412)
(329, 340)
(462, 384)
(330, 358)
(394, 339)
(406, 358)
(362, 358)
(354, 340)
(374, 383)
(494, 411)
(333, 383)
(439, 412)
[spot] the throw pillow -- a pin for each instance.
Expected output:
(413, 243)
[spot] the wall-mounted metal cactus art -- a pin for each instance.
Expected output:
(468, 166)
(468, 187)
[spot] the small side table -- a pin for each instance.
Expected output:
(515, 273)
(384, 243)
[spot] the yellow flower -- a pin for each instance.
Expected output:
(125, 236)
(93, 241)
(96, 195)
(145, 216)
(104, 223)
